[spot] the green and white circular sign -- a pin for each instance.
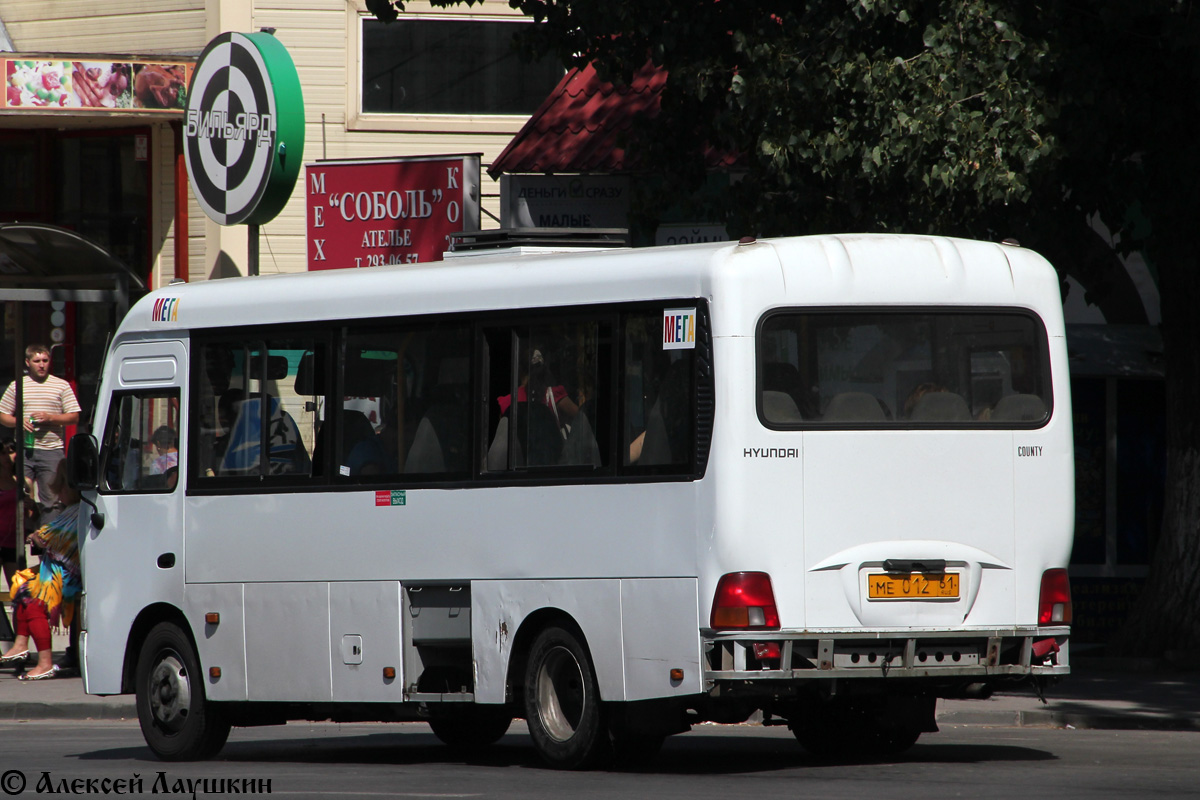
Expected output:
(244, 129)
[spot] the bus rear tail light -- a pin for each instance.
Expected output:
(744, 601)
(1054, 606)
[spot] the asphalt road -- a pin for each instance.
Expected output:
(405, 761)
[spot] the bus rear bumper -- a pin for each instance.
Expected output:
(788, 656)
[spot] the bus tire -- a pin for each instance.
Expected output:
(841, 731)
(635, 751)
(562, 702)
(178, 723)
(471, 727)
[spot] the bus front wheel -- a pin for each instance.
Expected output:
(178, 723)
(562, 702)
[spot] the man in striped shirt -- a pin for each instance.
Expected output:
(49, 405)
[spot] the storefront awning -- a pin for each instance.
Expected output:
(44, 262)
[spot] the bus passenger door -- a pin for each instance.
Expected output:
(136, 558)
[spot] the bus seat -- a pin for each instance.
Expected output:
(854, 407)
(1019, 408)
(539, 441)
(538, 434)
(441, 443)
(497, 456)
(656, 447)
(425, 452)
(580, 448)
(668, 425)
(780, 407)
(362, 450)
(941, 407)
(356, 429)
(310, 376)
(286, 451)
(780, 376)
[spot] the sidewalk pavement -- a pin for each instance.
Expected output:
(1100, 693)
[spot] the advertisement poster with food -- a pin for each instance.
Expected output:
(99, 85)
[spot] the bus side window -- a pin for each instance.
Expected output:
(406, 408)
(660, 384)
(130, 461)
(248, 396)
(560, 414)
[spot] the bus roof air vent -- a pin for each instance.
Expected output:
(524, 241)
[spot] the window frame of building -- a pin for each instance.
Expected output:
(359, 120)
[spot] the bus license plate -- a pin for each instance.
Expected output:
(917, 586)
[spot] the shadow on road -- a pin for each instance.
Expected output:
(708, 754)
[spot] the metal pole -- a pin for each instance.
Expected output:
(252, 233)
(181, 207)
(19, 430)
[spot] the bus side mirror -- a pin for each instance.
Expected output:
(83, 462)
(83, 470)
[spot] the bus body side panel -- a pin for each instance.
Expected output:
(1045, 480)
(123, 562)
(364, 638)
(221, 644)
(498, 535)
(333, 641)
(757, 476)
(592, 531)
(660, 631)
(499, 607)
(637, 631)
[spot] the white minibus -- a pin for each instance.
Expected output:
(615, 493)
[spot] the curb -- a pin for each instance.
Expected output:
(1044, 718)
(24, 710)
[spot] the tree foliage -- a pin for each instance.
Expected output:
(968, 117)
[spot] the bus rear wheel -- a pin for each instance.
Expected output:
(178, 723)
(470, 727)
(562, 702)
(847, 730)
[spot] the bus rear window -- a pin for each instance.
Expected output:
(908, 369)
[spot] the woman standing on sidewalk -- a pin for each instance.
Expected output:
(45, 596)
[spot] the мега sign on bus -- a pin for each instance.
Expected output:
(244, 128)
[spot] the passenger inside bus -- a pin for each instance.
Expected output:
(166, 450)
(543, 415)
(228, 406)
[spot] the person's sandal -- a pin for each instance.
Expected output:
(50, 673)
(14, 658)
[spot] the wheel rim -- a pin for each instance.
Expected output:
(170, 692)
(561, 694)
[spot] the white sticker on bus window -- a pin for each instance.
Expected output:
(679, 329)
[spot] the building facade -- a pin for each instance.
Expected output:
(89, 156)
